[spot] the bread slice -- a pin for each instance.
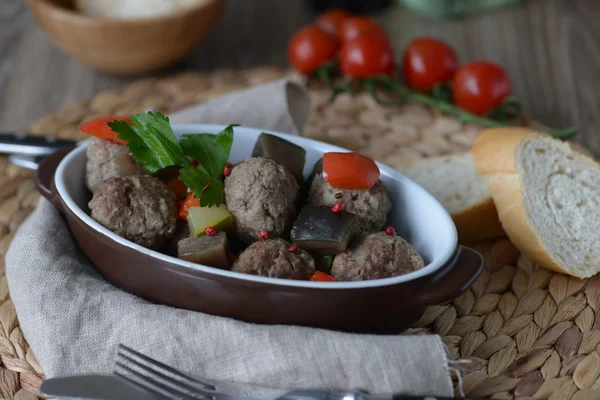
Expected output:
(452, 180)
(547, 196)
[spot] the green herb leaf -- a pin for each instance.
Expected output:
(151, 141)
(208, 189)
(211, 151)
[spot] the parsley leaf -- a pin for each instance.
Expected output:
(151, 141)
(153, 144)
(208, 189)
(211, 151)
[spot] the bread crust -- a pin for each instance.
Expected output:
(473, 224)
(479, 222)
(494, 155)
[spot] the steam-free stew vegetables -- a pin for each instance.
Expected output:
(254, 203)
(323, 232)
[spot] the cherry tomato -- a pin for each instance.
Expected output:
(319, 276)
(427, 62)
(310, 47)
(480, 86)
(98, 127)
(350, 170)
(355, 27)
(367, 56)
(330, 21)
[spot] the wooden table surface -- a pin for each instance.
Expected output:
(551, 49)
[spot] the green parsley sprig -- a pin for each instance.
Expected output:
(153, 144)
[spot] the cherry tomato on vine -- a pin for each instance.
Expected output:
(428, 62)
(355, 27)
(366, 56)
(480, 86)
(310, 47)
(331, 20)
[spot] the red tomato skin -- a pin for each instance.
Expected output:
(366, 56)
(330, 21)
(360, 26)
(310, 47)
(319, 276)
(351, 170)
(480, 86)
(98, 127)
(427, 62)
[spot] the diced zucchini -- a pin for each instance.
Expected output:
(206, 250)
(323, 263)
(200, 218)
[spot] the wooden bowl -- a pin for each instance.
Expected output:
(126, 47)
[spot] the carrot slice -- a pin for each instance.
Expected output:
(350, 170)
(185, 205)
(319, 276)
(177, 187)
(98, 127)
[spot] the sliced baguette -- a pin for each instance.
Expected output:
(547, 196)
(452, 180)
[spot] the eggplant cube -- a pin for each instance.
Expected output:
(207, 250)
(323, 232)
(282, 152)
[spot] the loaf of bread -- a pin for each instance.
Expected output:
(547, 197)
(131, 9)
(452, 180)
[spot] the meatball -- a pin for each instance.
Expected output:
(139, 208)
(107, 159)
(372, 206)
(261, 195)
(377, 256)
(274, 259)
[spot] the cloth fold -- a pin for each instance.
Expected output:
(73, 319)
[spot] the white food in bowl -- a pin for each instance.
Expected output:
(417, 216)
(133, 9)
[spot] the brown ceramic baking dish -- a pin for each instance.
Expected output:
(377, 306)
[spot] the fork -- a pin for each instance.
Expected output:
(159, 378)
(167, 382)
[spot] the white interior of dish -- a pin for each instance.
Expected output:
(417, 216)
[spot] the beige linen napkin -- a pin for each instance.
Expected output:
(74, 319)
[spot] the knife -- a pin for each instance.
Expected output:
(88, 387)
(112, 387)
(30, 145)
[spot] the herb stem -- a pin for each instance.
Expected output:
(448, 108)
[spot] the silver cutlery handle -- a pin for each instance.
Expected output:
(23, 144)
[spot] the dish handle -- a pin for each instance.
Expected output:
(44, 176)
(466, 267)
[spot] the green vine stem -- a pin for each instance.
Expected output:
(496, 118)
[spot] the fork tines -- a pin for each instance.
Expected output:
(159, 378)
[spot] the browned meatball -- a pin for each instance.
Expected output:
(273, 258)
(107, 159)
(372, 206)
(139, 208)
(261, 195)
(377, 256)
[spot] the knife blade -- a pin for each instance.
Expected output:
(27, 144)
(92, 387)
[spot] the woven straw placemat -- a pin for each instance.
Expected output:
(527, 332)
